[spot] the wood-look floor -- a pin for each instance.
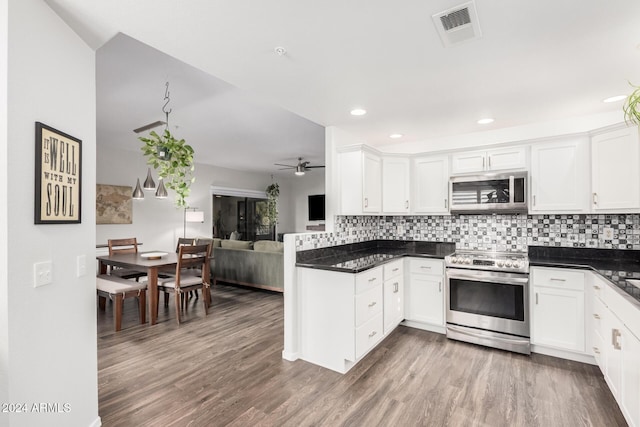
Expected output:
(227, 369)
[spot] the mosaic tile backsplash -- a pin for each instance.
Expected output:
(487, 232)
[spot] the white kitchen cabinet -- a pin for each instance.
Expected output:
(360, 172)
(341, 316)
(395, 185)
(559, 176)
(489, 160)
(615, 171)
(558, 316)
(424, 297)
(393, 295)
(430, 184)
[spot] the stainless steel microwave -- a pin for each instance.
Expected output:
(489, 193)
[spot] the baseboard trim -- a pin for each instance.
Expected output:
(564, 354)
(424, 326)
(96, 423)
(291, 356)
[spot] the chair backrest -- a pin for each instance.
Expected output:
(182, 241)
(192, 256)
(123, 246)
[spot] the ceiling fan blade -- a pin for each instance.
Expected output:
(288, 166)
(313, 167)
(281, 169)
(150, 126)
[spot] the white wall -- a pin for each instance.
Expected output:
(48, 341)
(158, 223)
(301, 187)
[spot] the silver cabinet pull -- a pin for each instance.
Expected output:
(373, 279)
(395, 269)
(615, 333)
(439, 286)
(596, 316)
(406, 204)
(536, 298)
(489, 162)
(534, 200)
(595, 198)
(597, 288)
(596, 350)
(372, 334)
(483, 159)
(425, 266)
(553, 279)
(366, 202)
(371, 304)
(395, 288)
(446, 203)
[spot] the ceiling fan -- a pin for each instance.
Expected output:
(300, 168)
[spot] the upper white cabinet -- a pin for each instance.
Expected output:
(559, 176)
(489, 160)
(360, 182)
(615, 171)
(395, 185)
(430, 184)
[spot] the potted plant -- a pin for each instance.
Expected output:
(173, 159)
(273, 191)
(632, 107)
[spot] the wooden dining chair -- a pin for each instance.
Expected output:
(118, 289)
(186, 278)
(182, 241)
(125, 246)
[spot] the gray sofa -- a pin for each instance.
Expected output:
(257, 264)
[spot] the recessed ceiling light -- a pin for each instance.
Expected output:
(395, 135)
(485, 121)
(615, 98)
(358, 112)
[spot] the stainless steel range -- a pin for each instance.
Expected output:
(488, 299)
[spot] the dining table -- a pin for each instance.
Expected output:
(152, 262)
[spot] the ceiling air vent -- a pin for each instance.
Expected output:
(458, 24)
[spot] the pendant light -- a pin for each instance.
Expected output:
(138, 194)
(148, 183)
(161, 192)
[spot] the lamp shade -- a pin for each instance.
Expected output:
(194, 216)
(137, 193)
(161, 192)
(148, 183)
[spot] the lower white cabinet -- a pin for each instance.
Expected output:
(558, 316)
(393, 295)
(425, 291)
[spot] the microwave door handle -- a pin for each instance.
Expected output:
(511, 187)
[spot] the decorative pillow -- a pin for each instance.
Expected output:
(268, 246)
(236, 244)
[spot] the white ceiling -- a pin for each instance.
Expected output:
(536, 61)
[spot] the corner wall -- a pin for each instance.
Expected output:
(48, 341)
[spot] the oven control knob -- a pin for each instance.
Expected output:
(454, 260)
(499, 263)
(467, 260)
(507, 263)
(516, 264)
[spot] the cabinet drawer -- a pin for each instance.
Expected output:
(426, 266)
(393, 269)
(598, 348)
(368, 279)
(598, 286)
(368, 304)
(624, 308)
(368, 335)
(558, 278)
(597, 316)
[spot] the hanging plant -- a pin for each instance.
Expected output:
(632, 107)
(173, 159)
(273, 191)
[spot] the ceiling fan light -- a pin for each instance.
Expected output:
(299, 170)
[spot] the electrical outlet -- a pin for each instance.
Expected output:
(608, 233)
(42, 273)
(400, 229)
(81, 265)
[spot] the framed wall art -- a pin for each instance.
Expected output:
(114, 204)
(58, 173)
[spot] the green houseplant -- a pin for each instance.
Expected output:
(173, 159)
(273, 191)
(632, 107)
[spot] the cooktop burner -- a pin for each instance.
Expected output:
(517, 262)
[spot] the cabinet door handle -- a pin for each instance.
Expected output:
(446, 203)
(489, 158)
(534, 200)
(553, 279)
(425, 266)
(439, 286)
(595, 198)
(395, 269)
(597, 288)
(406, 204)
(483, 162)
(373, 279)
(614, 339)
(596, 350)
(536, 298)
(372, 334)
(596, 316)
(371, 304)
(396, 288)
(366, 202)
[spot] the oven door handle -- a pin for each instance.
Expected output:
(522, 281)
(471, 334)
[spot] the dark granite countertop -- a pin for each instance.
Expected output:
(615, 265)
(357, 257)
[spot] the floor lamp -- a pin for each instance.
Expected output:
(192, 216)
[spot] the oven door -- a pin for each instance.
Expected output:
(488, 300)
